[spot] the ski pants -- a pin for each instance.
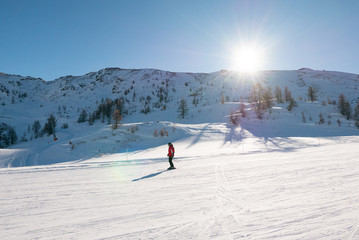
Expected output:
(170, 160)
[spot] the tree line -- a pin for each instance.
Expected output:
(7, 135)
(262, 98)
(108, 109)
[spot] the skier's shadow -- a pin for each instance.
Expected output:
(149, 176)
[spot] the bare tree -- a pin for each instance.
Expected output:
(292, 104)
(278, 94)
(287, 94)
(117, 117)
(234, 118)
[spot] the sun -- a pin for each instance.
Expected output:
(247, 58)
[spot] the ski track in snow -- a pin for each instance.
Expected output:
(306, 193)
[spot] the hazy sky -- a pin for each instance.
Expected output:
(54, 38)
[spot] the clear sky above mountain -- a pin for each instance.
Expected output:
(50, 39)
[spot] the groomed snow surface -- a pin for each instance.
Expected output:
(223, 188)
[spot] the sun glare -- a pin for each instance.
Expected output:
(247, 58)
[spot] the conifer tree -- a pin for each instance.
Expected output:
(312, 94)
(83, 117)
(356, 112)
(108, 109)
(91, 119)
(12, 135)
(321, 119)
(36, 128)
(344, 106)
(182, 109)
(50, 126)
(341, 104)
(7, 135)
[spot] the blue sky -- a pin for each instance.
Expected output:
(54, 38)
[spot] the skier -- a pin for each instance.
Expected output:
(171, 153)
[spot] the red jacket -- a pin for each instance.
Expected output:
(171, 151)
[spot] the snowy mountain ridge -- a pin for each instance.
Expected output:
(84, 91)
(152, 97)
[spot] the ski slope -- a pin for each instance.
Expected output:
(250, 188)
(280, 177)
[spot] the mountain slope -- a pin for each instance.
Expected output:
(281, 176)
(24, 100)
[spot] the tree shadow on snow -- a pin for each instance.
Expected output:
(276, 129)
(233, 135)
(281, 135)
(200, 134)
(149, 176)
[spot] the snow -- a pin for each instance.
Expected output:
(279, 177)
(290, 188)
(67, 96)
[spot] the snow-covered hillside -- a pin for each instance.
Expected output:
(150, 102)
(283, 175)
